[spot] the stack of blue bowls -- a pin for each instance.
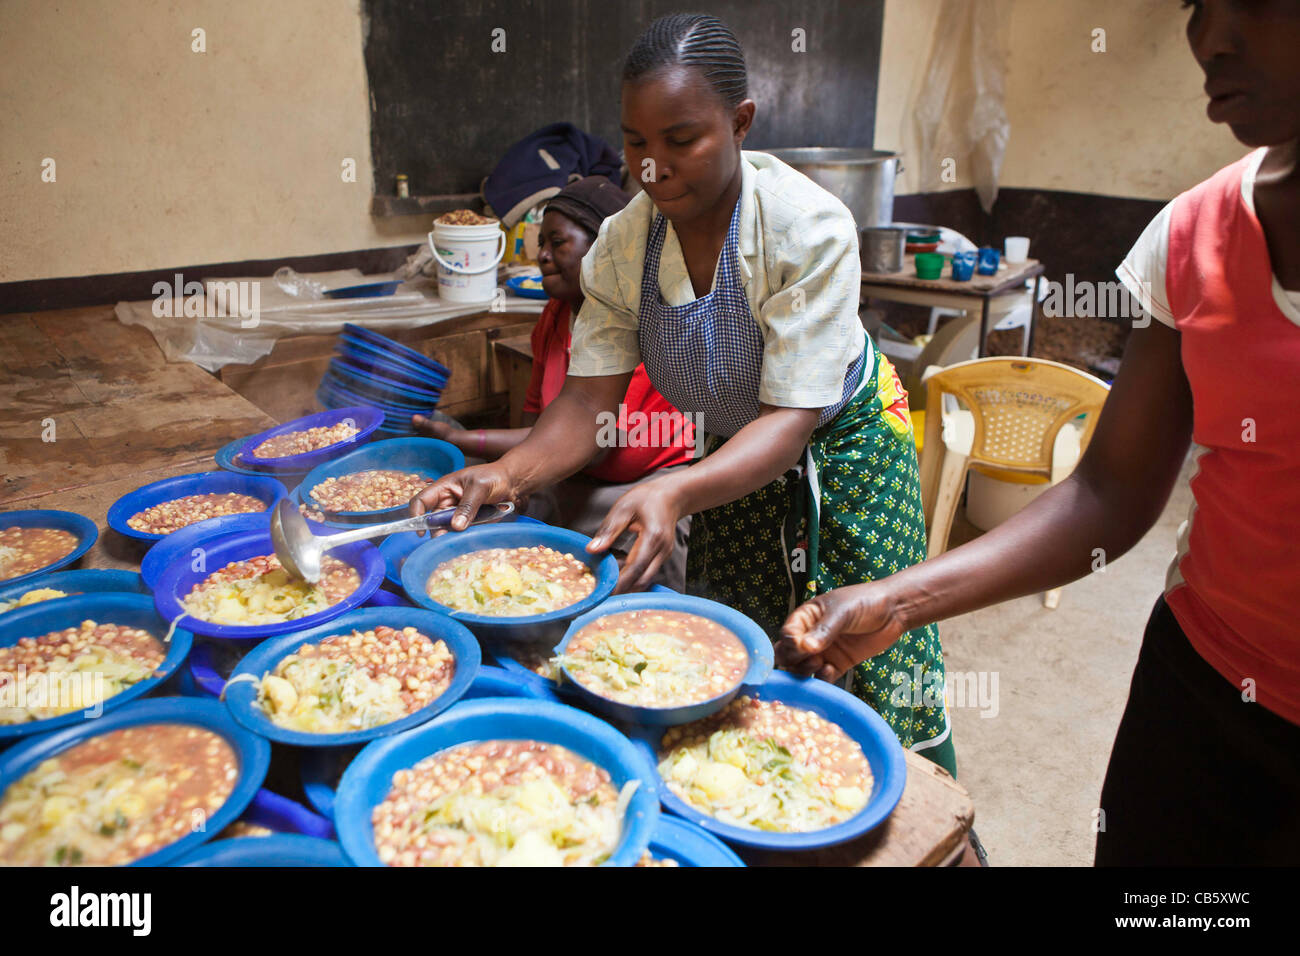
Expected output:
(372, 369)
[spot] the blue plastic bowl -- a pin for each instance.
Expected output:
(269, 809)
(182, 542)
(879, 744)
(395, 348)
(757, 645)
(321, 768)
(241, 697)
(686, 843)
(104, 607)
(83, 528)
(421, 563)
(366, 290)
(252, 752)
(387, 402)
(358, 350)
(365, 417)
(382, 598)
(359, 379)
(262, 487)
(396, 548)
(374, 363)
(180, 577)
(395, 413)
(369, 777)
(516, 285)
(427, 457)
(281, 849)
(84, 581)
(227, 459)
(520, 673)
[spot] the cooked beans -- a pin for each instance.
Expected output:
(464, 217)
(169, 516)
(357, 680)
(499, 802)
(648, 860)
(24, 550)
(656, 658)
(73, 669)
(116, 797)
(299, 443)
(368, 490)
(259, 591)
(765, 764)
(511, 582)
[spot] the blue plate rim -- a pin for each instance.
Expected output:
(122, 581)
(387, 445)
(297, 850)
(367, 416)
(678, 838)
(118, 510)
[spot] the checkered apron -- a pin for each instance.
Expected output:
(850, 512)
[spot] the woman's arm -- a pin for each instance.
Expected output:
(487, 443)
(562, 442)
(759, 453)
(1102, 509)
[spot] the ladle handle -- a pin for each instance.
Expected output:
(425, 522)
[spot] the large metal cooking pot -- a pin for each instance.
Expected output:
(862, 179)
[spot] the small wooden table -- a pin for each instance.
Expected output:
(947, 293)
(125, 417)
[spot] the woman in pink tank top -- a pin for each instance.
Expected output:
(1205, 768)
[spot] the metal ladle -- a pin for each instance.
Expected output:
(300, 551)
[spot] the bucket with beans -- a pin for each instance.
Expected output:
(791, 764)
(142, 785)
(372, 672)
(156, 510)
(499, 782)
(510, 582)
(65, 659)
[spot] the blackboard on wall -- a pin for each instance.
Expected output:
(445, 107)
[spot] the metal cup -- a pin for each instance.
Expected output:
(882, 249)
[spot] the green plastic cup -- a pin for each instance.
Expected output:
(929, 265)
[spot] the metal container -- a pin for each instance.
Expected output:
(862, 179)
(882, 249)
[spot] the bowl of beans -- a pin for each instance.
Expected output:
(661, 659)
(509, 582)
(377, 482)
(321, 768)
(156, 510)
(67, 659)
(792, 764)
(166, 550)
(235, 588)
(396, 548)
(304, 443)
(499, 782)
(678, 843)
(140, 786)
(69, 584)
(277, 849)
(372, 672)
(40, 540)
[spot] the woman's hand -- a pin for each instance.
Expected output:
(839, 629)
(443, 431)
(651, 509)
(467, 490)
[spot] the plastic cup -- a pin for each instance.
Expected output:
(988, 261)
(963, 266)
(1016, 248)
(929, 265)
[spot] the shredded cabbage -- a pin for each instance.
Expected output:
(323, 695)
(62, 686)
(755, 782)
(262, 599)
(485, 583)
(647, 668)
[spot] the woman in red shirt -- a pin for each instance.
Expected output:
(1205, 768)
(651, 434)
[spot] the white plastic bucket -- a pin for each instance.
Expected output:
(467, 258)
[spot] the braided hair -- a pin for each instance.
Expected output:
(692, 39)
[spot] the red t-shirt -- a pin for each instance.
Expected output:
(1237, 588)
(654, 434)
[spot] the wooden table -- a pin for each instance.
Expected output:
(124, 417)
(514, 358)
(947, 293)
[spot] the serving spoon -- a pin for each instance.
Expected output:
(300, 552)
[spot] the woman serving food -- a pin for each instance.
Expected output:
(735, 280)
